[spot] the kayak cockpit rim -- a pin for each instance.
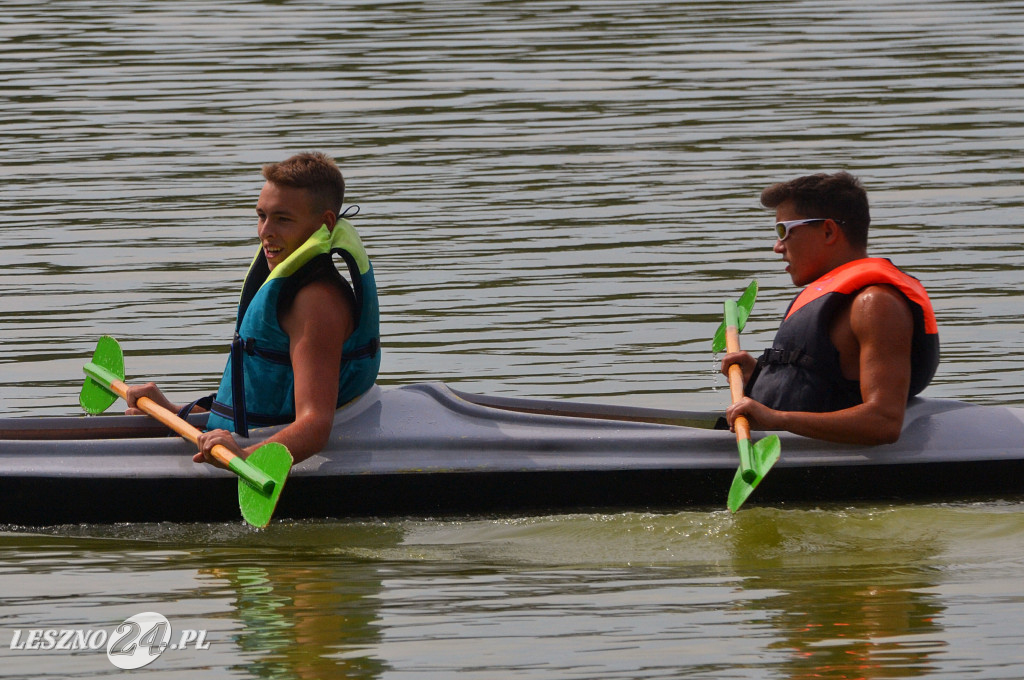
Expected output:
(571, 409)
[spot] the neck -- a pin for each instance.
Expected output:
(845, 256)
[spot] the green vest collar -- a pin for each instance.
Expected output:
(323, 240)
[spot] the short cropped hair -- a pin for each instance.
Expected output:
(315, 171)
(840, 196)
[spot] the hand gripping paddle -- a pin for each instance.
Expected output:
(261, 476)
(755, 459)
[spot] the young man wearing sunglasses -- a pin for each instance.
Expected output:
(856, 343)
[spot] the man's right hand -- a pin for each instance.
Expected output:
(746, 362)
(146, 390)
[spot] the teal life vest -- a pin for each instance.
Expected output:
(257, 387)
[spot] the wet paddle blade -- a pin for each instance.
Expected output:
(96, 397)
(764, 454)
(258, 506)
(743, 307)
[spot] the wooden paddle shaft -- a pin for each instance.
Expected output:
(171, 420)
(732, 344)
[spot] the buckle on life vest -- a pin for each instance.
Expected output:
(777, 357)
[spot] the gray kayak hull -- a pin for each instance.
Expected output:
(427, 450)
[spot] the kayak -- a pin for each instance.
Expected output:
(427, 450)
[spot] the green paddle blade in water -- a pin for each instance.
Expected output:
(258, 506)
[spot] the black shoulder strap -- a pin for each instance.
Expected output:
(258, 273)
(320, 267)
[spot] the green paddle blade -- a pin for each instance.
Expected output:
(743, 307)
(258, 506)
(107, 365)
(764, 454)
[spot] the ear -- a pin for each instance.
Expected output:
(831, 232)
(329, 219)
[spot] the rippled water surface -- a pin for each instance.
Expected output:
(557, 197)
(879, 592)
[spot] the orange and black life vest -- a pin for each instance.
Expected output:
(801, 371)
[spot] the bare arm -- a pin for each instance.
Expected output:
(317, 324)
(882, 330)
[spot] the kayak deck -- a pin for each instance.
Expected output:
(428, 450)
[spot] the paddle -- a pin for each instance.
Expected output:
(755, 459)
(261, 476)
(743, 307)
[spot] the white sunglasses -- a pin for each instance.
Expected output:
(783, 228)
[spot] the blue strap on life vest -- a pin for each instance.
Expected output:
(238, 386)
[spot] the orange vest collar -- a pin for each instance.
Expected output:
(856, 274)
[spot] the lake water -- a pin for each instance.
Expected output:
(557, 197)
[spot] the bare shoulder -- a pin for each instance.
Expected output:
(320, 305)
(323, 292)
(881, 309)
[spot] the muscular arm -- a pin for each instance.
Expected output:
(879, 335)
(317, 323)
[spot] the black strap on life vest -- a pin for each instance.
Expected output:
(249, 347)
(202, 402)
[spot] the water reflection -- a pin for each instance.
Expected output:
(906, 591)
(840, 607)
(304, 620)
(290, 601)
